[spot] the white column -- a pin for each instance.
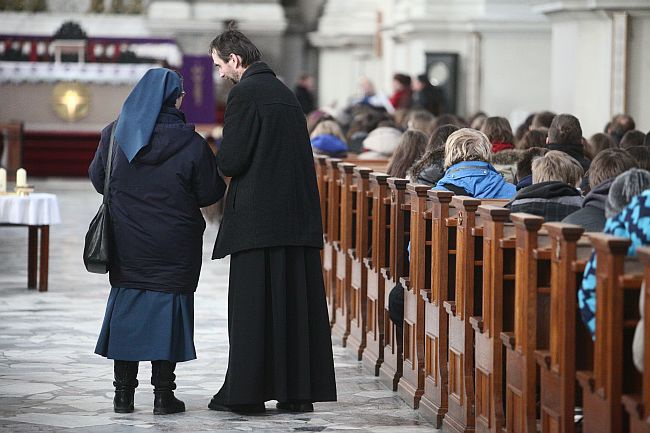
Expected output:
(598, 59)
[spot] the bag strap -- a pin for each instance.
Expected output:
(109, 164)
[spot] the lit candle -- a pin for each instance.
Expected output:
(3, 180)
(21, 177)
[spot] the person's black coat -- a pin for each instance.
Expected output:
(155, 205)
(305, 99)
(273, 197)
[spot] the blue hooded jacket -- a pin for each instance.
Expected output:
(478, 179)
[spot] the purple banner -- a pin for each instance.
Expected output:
(199, 102)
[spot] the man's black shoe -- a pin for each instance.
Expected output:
(237, 408)
(295, 406)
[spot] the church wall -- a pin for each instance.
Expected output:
(638, 69)
(515, 72)
(581, 71)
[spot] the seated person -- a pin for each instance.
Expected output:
(641, 155)
(328, 139)
(553, 194)
(607, 164)
(632, 222)
(499, 132)
(430, 168)
(467, 170)
(410, 148)
(381, 143)
(525, 166)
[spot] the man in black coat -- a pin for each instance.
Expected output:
(280, 346)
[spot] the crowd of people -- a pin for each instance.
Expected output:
(545, 166)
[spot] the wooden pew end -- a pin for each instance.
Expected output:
(587, 379)
(508, 339)
(450, 306)
(477, 323)
(633, 404)
(543, 358)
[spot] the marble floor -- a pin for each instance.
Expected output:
(50, 380)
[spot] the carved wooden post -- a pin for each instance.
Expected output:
(460, 415)
(373, 356)
(358, 252)
(343, 261)
(433, 403)
(391, 369)
(411, 385)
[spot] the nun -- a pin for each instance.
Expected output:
(162, 174)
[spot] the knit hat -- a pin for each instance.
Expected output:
(626, 185)
(383, 140)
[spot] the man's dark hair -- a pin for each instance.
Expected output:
(542, 119)
(620, 124)
(235, 42)
(641, 155)
(403, 79)
(608, 164)
(597, 143)
(498, 130)
(632, 138)
(565, 129)
(525, 164)
(647, 139)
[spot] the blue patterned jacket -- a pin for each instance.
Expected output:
(634, 223)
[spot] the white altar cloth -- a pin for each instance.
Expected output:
(34, 209)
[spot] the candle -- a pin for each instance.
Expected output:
(3, 180)
(21, 177)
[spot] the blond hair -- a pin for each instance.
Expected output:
(557, 166)
(467, 145)
(328, 127)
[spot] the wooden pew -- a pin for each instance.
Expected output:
(373, 355)
(332, 234)
(638, 405)
(531, 323)
(358, 253)
(320, 163)
(433, 403)
(497, 316)
(391, 369)
(460, 413)
(617, 283)
(341, 326)
(411, 384)
(570, 344)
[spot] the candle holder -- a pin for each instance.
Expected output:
(24, 190)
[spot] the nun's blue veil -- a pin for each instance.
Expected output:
(141, 108)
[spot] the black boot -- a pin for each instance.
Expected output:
(125, 373)
(162, 378)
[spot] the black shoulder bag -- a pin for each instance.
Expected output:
(98, 238)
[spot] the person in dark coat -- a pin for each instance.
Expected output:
(305, 93)
(430, 168)
(607, 164)
(427, 96)
(278, 326)
(163, 173)
(553, 194)
(565, 135)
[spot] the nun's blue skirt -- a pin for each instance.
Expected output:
(145, 325)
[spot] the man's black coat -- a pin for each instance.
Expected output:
(273, 196)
